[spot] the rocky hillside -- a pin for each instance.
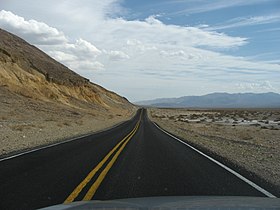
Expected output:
(27, 71)
(42, 101)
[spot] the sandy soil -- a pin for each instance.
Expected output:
(225, 132)
(27, 123)
(42, 101)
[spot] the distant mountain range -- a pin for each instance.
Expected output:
(219, 100)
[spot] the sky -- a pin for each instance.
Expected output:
(157, 48)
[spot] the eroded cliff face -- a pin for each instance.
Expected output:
(42, 101)
(27, 71)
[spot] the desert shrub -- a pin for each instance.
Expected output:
(79, 122)
(194, 116)
(21, 127)
(66, 123)
(264, 118)
(75, 113)
(3, 118)
(50, 119)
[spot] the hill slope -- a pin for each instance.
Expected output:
(42, 101)
(220, 100)
(28, 71)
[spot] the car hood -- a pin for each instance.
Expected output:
(175, 202)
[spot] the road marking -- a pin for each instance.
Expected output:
(257, 187)
(43, 147)
(80, 187)
(101, 177)
(88, 178)
(58, 143)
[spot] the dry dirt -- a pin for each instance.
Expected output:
(230, 134)
(42, 101)
(26, 123)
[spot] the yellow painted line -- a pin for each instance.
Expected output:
(100, 178)
(80, 187)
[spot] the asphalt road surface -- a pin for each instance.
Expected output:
(134, 159)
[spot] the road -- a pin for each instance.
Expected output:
(134, 159)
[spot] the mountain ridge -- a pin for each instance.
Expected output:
(28, 71)
(43, 102)
(219, 100)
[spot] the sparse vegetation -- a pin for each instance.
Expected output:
(247, 137)
(3, 118)
(79, 122)
(66, 123)
(21, 127)
(48, 119)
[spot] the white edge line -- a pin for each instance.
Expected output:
(257, 187)
(43, 147)
(58, 143)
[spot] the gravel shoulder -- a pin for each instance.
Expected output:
(26, 123)
(250, 146)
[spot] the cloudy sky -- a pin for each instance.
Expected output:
(157, 48)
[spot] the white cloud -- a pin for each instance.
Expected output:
(86, 67)
(76, 60)
(206, 6)
(117, 55)
(85, 47)
(153, 21)
(62, 56)
(147, 56)
(256, 86)
(173, 53)
(154, 32)
(79, 11)
(136, 45)
(202, 26)
(79, 55)
(32, 30)
(248, 21)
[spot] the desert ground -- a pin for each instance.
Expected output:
(27, 123)
(248, 138)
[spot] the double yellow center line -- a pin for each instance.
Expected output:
(119, 148)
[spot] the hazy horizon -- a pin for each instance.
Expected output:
(205, 94)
